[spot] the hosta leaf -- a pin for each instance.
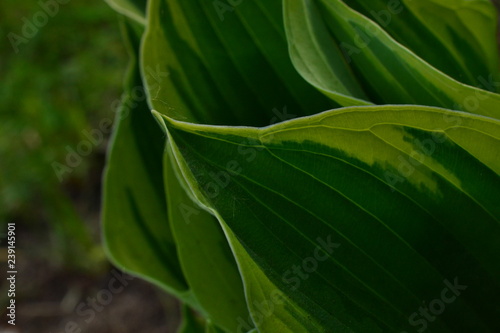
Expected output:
(206, 259)
(455, 36)
(223, 66)
(134, 9)
(161, 235)
(136, 233)
(317, 58)
(362, 215)
(388, 72)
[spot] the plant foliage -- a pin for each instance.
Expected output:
(376, 209)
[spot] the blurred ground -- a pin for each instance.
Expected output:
(52, 299)
(58, 81)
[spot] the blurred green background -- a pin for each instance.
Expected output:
(63, 81)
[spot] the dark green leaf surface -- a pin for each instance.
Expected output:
(382, 207)
(317, 58)
(455, 36)
(224, 67)
(271, 309)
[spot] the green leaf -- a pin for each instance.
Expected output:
(136, 233)
(455, 36)
(206, 259)
(362, 215)
(190, 322)
(271, 309)
(317, 58)
(223, 66)
(388, 72)
(134, 9)
(211, 328)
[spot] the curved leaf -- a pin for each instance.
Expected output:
(455, 36)
(390, 209)
(189, 260)
(206, 259)
(317, 58)
(136, 233)
(388, 72)
(223, 66)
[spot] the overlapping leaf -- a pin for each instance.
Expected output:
(224, 67)
(206, 259)
(316, 56)
(455, 37)
(388, 205)
(177, 245)
(368, 183)
(361, 55)
(136, 232)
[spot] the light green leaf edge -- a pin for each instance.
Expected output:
(205, 257)
(130, 8)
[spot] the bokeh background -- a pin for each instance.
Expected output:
(63, 81)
